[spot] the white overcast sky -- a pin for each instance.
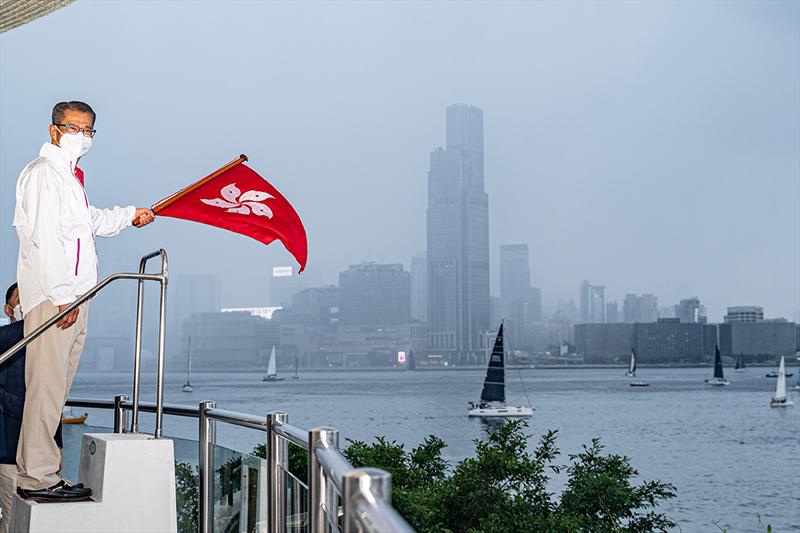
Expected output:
(646, 146)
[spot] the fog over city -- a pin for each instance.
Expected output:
(648, 147)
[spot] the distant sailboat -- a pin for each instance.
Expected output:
(740, 367)
(272, 369)
(780, 399)
(631, 373)
(493, 396)
(187, 387)
(296, 366)
(719, 378)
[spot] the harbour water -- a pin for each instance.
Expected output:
(728, 453)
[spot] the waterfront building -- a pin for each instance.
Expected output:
(375, 294)
(592, 303)
(670, 340)
(744, 313)
(458, 240)
(603, 343)
(761, 340)
(229, 340)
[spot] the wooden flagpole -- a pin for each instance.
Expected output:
(169, 200)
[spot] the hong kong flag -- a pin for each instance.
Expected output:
(236, 198)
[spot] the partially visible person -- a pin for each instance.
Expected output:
(12, 399)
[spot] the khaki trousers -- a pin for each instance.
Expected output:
(8, 487)
(51, 362)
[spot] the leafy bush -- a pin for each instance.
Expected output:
(502, 488)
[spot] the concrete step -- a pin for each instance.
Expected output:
(133, 482)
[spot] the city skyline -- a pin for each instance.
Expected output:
(593, 157)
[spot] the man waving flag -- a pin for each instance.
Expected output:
(236, 198)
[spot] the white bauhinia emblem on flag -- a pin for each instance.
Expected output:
(236, 202)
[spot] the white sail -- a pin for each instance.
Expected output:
(780, 389)
(632, 365)
(271, 368)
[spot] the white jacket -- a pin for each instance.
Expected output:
(56, 227)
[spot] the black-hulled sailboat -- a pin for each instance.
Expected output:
(493, 396)
(719, 378)
(631, 373)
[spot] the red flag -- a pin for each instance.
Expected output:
(236, 198)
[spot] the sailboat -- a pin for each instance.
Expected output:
(272, 371)
(296, 365)
(719, 378)
(797, 385)
(740, 363)
(780, 399)
(187, 387)
(631, 373)
(493, 396)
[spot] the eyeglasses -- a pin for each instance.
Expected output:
(73, 129)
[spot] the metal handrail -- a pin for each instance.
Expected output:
(162, 278)
(365, 493)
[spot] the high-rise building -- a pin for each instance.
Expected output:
(536, 304)
(640, 308)
(373, 293)
(458, 240)
(689, 310)
(419, 287)
(284, 284)
(196, 293)
(745, 313)
(592, 300)
(612, 312)
(515, 280)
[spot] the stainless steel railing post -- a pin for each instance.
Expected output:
(357, 484)
(162, 331)
(137, 349)
(318, 489)
(205, 515)
(277, 465)
(120, 414)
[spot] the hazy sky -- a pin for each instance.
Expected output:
(650, 147)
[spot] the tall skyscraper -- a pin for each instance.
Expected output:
(458, 239)
(592, 300)
(419, 287)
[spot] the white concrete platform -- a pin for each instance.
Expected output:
(133, 482)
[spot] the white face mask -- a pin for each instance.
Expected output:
(17, 312)
(76, 144)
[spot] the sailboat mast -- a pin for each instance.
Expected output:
(189, 363)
